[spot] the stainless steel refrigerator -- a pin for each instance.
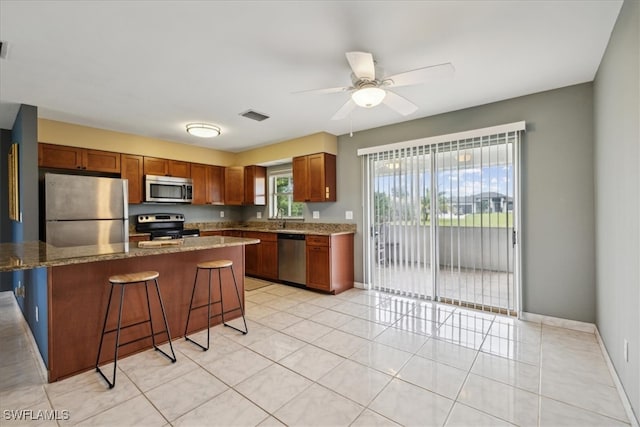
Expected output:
(86, 211)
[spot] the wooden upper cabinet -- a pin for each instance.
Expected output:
(63, 157)
(179, 169)
(154, 166)
(314, 178)
(208, 184)
(234, 185)
(245, 185)
(199, 177)
(215, 185)
(300, 166)
(255, 185)
(101, 161)
(166, 167)
(132, 171)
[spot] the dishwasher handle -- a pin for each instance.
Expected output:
(291, 236)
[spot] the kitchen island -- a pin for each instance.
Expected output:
(77, 291)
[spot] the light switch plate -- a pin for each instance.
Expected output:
(221, 214)
(259, 215)
(349, 215)
(316, 214)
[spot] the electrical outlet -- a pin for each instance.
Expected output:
(626, 351)
(348, 214)
(37, 318)
(316, 214)
(221, 214)
(259, 215)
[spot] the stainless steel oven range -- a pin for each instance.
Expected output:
(163, 226)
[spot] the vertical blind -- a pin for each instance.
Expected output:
(441, 214)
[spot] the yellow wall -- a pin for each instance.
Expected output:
(316, 143)
(54, 132)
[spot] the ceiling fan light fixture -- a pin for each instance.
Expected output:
(203, 130)
(368, 97)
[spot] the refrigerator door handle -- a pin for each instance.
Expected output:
(125, 213)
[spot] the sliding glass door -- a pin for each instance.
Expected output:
(442, 220)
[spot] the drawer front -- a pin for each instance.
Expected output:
(317, 240)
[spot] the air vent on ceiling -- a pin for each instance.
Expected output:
(254, 115)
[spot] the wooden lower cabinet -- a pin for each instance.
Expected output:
(142, 238)
(211, 233)
(261, 260)
(330, 262)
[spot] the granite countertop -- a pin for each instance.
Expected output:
(280, 230)
(318, 229)
(322, 229)
(27, 255)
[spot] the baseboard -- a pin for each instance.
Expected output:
(559, 322)
(623, 396)
(360, 285)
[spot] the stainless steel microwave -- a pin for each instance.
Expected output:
(168, 189)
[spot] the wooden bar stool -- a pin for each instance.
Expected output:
(214, 265)
(124, 280)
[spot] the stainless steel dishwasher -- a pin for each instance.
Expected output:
(292, 258)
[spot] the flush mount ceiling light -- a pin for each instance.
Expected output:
(368, 96)
(203, 130)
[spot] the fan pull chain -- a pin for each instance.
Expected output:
(351, 125)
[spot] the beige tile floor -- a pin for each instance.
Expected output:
(361, 358)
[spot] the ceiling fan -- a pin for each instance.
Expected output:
(369, 90)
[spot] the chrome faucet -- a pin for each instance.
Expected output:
(280, 216)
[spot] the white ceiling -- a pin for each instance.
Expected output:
(150, 67)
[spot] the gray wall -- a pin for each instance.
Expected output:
(557, 173)
(617, 191)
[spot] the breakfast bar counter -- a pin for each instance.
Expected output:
(77, 290)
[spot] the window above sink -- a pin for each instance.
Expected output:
(281, 204)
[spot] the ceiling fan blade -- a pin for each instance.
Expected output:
(362, 65)
(421, 75)
(344, 110)
(325, 91)
(400, 104)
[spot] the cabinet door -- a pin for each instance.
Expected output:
(300, 181)
(59, 156)
(234, 185)
(269, 259)
(318, 267)
(154, 166)
(315, 177)
(215, 184)
(199, 176)
(322, 177)
(210, 233)
(179, 169)
(132, 171)
(255, 185)
(252, 254)
(101, 161)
